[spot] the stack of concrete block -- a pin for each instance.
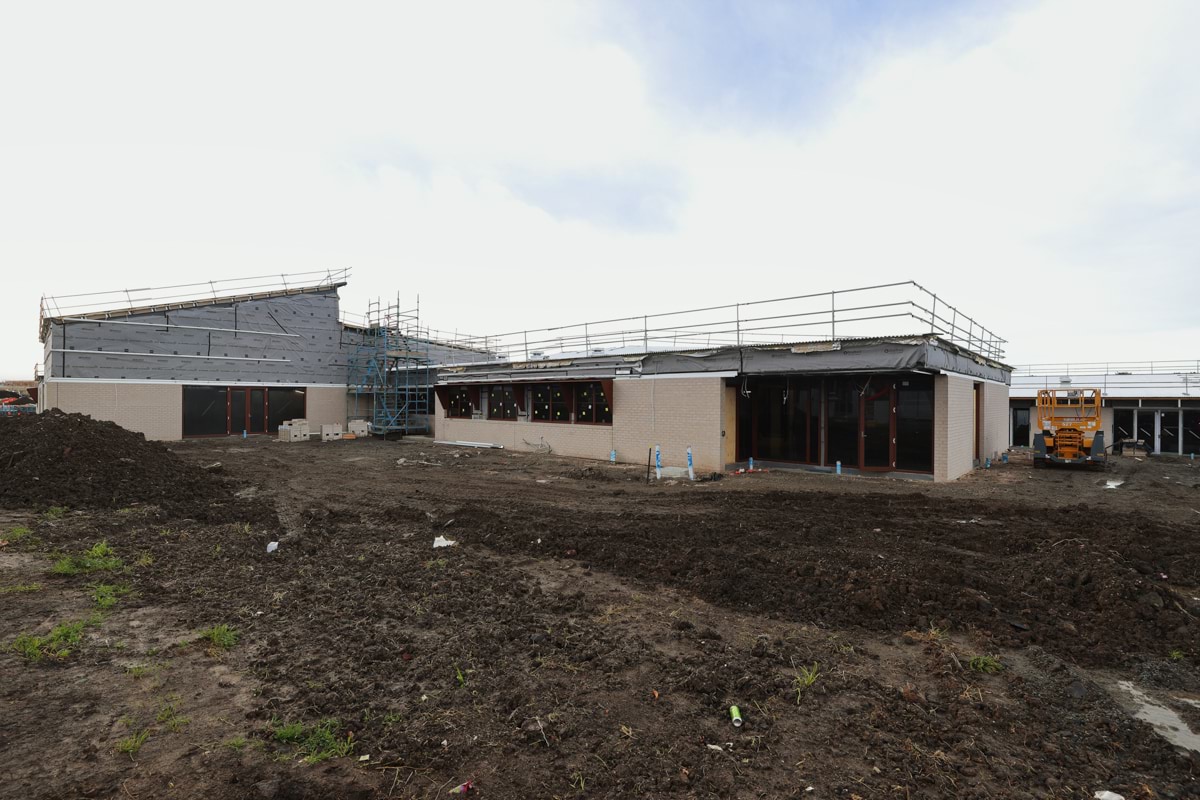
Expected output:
(358, 427)
(331, 433)
(297, 430)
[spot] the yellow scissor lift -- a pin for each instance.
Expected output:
(1069, 428)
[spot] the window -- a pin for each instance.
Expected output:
(841, 421)
(502, 402)
(206, 411)
(551, 403)
(224, 410)
(460, 402)
(592, 404)
(914, 423)
(283, 404)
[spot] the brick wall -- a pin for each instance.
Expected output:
(953, 427)
(670, 412)
(995, 419)
(155, 410)
(325, 405)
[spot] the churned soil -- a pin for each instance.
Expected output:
(587, 633)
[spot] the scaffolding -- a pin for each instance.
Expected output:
(390, 370)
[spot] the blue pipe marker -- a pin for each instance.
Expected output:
(612, 456)
(839, 468)
(657, 463)
(691, 471)
(750, 465)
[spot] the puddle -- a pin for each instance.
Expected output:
(1164, 720)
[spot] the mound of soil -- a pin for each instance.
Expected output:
(72, 460)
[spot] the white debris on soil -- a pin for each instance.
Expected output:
(1112, 484)
(442, 541)
(272, 547)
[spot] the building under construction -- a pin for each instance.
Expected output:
(879, 379)
(876, 379)
(238, 357)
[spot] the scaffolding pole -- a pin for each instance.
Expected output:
(390, 370)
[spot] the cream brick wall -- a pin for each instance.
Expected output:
(995, 420)
(325, 405)
(670, 412)
(953, 427)
(155, 410)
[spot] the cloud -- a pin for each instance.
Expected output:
(538, 164)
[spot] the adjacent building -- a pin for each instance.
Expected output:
(1154, 405)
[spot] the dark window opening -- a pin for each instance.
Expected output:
(1021, 425)
(1191, 432)
(1168, 432)
(229, 410)
(205, 411)
(551, 403)
(282, 405)
(1123, 425)
(914, 423)
(784, 422)
(592, 404)
(502, 402)
(841, 431)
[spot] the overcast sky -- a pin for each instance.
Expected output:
(527, 165)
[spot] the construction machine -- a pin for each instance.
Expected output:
(1069, 428)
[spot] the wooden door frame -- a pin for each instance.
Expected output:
(862, 429)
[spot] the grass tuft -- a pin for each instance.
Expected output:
(222, 637)
(807, 677)
(20, 587)
(106, 595)
(986, 664)
(1175, 655)
(236, 743)
(168, 715)
(18, 533)
(100, 557)
(55, 512)
(57, 644)
(315, 742)
(131, 744)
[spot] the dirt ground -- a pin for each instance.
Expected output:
(587, 633)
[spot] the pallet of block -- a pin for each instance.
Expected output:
(294, 430)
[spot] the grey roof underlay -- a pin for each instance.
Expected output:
(883, 354)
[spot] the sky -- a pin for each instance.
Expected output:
(524, 165)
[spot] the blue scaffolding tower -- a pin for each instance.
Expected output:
(390, 371)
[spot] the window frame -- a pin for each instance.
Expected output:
(507, 402)
(568, 401)
(455, 397)
(601, 388)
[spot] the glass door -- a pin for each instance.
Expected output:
(878, 429)
(1191, 433)
(1145, 433)
(237, 411)
(1168, 431)
(258, 411)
